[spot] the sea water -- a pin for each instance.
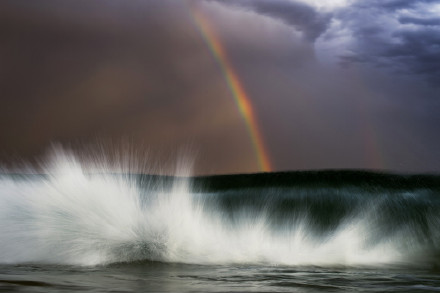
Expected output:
(71, 229)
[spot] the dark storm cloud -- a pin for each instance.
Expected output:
(396, 4)
(379, 30)
(74, 70)
(301, 16)
(419, 51)
(383, 35)
(419, 21)
(415, 53)
(381, 116)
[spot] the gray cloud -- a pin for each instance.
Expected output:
(419, 52)
(389, 39)
(419, 21)
(380, 33)
(75, 70)
(392, 5)
(301, 16)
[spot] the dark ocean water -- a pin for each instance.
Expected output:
(329, 231)
(169, 277)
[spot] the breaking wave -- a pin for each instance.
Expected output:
(70, 216)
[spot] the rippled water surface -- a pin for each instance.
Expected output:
(162, 277)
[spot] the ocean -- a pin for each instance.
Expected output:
(317, 231)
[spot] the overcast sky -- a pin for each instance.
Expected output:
(334, 84)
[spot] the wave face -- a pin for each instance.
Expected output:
(72, 217)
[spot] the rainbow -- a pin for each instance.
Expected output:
(239, 94)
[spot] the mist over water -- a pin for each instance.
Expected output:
(71, 216)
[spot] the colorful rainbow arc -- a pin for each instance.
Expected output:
(241, 98)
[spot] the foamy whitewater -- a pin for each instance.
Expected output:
(70, 216)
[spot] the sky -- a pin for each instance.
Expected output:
(238, 86)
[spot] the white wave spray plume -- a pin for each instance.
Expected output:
(73, 217)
